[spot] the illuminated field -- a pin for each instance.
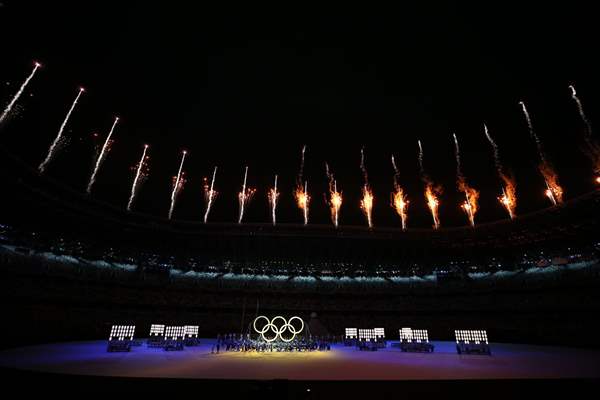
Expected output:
(341, 363)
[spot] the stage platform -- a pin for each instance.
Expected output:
(508, 361)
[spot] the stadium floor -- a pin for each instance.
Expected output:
(508, 361)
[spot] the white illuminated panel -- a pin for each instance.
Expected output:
(174, 332)
(157, 330)
(467, 336)
(406, 334)
(366, 334)
(379, 333)
(416, 335)
(351, 333)
(191, 331)
(122, 332)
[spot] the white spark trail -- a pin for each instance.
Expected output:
(101, 156)
(58, 140)
(136, 179)
(15, 98)
(177, 185)
(210, 195)
(538, 142)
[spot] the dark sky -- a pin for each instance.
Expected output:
(243, 87)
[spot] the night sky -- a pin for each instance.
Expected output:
(243, 87)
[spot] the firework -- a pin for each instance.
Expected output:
(15, 98)
(593, 148)
(178, 183)
(301, 192)
(335, 197)
(244, 196)
(209, 193)
(141, 174)
(273, 196)
(102, 156)
(59, 141)
(470, 206)
(553, 191)
(366, 203)
(303, 200)
(432, 192)
(508, 199)
(399, 199)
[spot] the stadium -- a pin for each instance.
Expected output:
(271, 291)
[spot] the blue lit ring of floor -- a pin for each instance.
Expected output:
(508, 361)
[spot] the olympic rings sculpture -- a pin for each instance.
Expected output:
(277, 329)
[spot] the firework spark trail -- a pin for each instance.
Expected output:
(366, 203)
(178, 183)
(593, 148)
(15, 98)
(431, 192)
(273, 196)
(141, 173)
(301, 193)
(335, 197)
(102, 156)
(470, 205)
(209, 194)
(553, 189)
(244, 196)
(586, 121)
(534, 135)
(303, 200)
(58, 141)
(509, 193)
(399, 199)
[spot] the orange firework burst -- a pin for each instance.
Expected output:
(400, 204)
(431, 195)
(273, 196)
(366, 204)
(335, 203)
(509, 195)
(470, 206)
(553, 189)
(303, 200)
(399, 199)
(335, 197)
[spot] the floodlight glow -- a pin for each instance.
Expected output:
(416, 335)
(174, 332)
(379, 333)
(191, 331)
(351, 333)
(121, 332)
(278, 331)
(157, 330)
(469, 336)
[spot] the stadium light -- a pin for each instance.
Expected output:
(191, 335)
(174, 337)
(157, 335)
(415, 340)
(157, 330)
(191, 331)
(351, 333)
(379, 333)
(472, 342)
(120, 338)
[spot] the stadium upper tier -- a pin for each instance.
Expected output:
(50, 216)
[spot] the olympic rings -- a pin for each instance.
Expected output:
(278, 331)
